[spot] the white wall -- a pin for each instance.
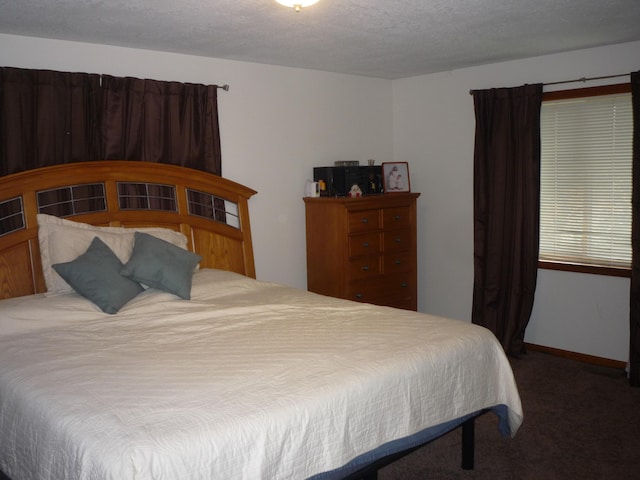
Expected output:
(434, 131)
(276, 124)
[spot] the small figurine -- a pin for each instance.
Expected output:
(322, 185)
(355, 191)
(373, 187)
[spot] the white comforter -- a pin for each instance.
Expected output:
(248, 380)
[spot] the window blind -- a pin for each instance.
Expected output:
(585, 209)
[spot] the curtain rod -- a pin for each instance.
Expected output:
(224, 87)
(582, 79)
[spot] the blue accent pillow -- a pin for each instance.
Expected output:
(96, 275)
(161, 265)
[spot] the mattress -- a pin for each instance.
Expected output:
(247, 380)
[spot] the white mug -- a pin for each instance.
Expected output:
(311, 189)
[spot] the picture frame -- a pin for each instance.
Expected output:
(395, 177)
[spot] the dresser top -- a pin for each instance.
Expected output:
(368, 201)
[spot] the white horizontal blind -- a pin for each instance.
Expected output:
(585, 209)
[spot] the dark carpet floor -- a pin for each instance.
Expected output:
(580, 422)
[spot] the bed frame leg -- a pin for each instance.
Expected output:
(468, 444)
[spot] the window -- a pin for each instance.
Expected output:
(585, 198)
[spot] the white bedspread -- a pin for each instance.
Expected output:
(248, 380)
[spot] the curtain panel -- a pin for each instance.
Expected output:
(506, 210)
(48, 118)
(634, 318)
(165, 122)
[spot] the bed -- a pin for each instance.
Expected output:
(205, 372)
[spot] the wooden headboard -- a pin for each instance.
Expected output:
(210, 210)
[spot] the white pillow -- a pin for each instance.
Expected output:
(64, 240)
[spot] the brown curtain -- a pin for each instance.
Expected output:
(165, 122)
(47, 118)
(506, 210)
(634, 341)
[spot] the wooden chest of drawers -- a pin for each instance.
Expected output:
(363, 249)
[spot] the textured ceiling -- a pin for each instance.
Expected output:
(377, 38)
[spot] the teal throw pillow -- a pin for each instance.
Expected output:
(96, 275)
(161, 265)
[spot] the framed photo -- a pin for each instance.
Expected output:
(395, 177)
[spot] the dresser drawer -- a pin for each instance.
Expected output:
(364, 221)
(397, 240)
(382, 289)
(398, 217)
(364, 267)
(364, 244)
(406, 303)
(397, 262)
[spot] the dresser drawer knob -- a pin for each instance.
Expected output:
(397, 217)
(365, 268)
(365, 244)
(404, 285)
(397, 262)
(358, 295)
(398, 240)
(365, 220)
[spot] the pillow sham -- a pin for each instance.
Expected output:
(64, 240)
(96, 275)
(160, 264)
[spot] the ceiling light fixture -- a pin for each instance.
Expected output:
(297, 4)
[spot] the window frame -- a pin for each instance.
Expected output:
(581, 93)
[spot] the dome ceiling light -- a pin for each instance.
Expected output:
(297, 4)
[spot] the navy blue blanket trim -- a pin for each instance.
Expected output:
(412, 441)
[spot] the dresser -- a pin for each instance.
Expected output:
(363, 249)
